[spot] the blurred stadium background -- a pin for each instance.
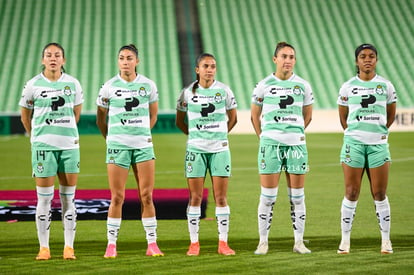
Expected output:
(242, 34)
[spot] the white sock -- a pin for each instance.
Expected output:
(44, 214)
(384, 218)
(223, 222)
(112, 229)
(67, 200)
(193, 220)
(150, 227)
(267, 200)
(297, 212)
(348, 209)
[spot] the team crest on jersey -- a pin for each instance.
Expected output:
(218, 98)
(29, 103)
(348, 158)
(189, 167)
(104, 100)
(111, 160)
(142, 91)
(263, 164)
(67, 91)
(297, 90)
(40, 167)
(257, 99)
(183, 104)
(379, 89)
(343, 98)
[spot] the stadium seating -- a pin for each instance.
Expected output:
(241, 34)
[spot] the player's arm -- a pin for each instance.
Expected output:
(101, 120)
(232, 119)
(307, 114)
(255, 114)
(26, 119)
(153, 112)
(180, 121)
(343, 115)
(77, 111)
(391, 110)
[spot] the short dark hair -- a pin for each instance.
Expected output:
(280, 46)
(363, 47)
(130, 47)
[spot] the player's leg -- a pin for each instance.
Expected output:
(144, 172)
(269, 166)
(296, 168)
(222, 212)
(44, 167)
(195, 186)
(67, 200)
(296, 193)
(117, 177)
(45, 193)
(380, 160)
(268, 195)
(352, 177)
(195, 169)
(353, 161)
(68, 178)
(220, 169)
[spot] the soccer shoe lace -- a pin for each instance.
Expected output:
(300, 248)
(44, 254)
(69, 253)
(153, 250)
(386, 247)
(194, 249)
(343, 248)
(110, 252)
(262, 248)
(224, 249)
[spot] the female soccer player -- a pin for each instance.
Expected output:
(367, 106)
(127, 111)
(51, 105)
(210, 108)
(281, 109)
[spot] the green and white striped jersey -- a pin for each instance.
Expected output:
(53, 122)
(128, 114)
(367, 109)
(282, 102)
(207, 116)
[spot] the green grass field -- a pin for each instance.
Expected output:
(324, 192)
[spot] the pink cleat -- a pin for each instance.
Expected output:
(110, 252)
(153, 250)
(224, 249)
(194, 249)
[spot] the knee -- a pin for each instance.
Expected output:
(221, 201)
(146, 198)
(352, 194)
(117, 198)
(379, 196)
(196, 199)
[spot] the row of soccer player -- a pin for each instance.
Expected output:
(281, 109)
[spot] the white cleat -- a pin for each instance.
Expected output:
(386, 247)
(262, 248)
(343, 248)
(301, 248)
